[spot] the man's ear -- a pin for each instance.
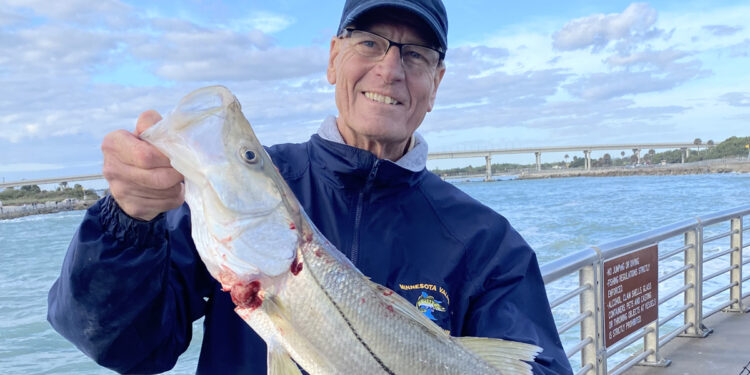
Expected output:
(439, 73)
(332, 54)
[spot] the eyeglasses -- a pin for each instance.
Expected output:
(413, 56)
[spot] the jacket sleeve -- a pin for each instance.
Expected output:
(129, 290)
(511, 302)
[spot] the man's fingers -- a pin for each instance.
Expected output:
(131, 150)
(146, 120)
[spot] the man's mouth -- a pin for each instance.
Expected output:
(380, 98)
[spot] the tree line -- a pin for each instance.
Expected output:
(34, 194)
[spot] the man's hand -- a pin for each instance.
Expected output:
(140, 177)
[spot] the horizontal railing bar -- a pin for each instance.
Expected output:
(675, 252)
(562, 299)
(719, 308)
(746, 261)
(632, 362)
(745, 295)
(577, 348)
(584, 369)
(568, 264)
(720, 272)
(746, 278)
(674, 314)
(725, 215)
(573, 322)
(721, 253)
(718, 236)
(746, 244)
(717, 291)
(675, 272)
(670, 336)
(624, 344)
(624, 245)
(675, 293)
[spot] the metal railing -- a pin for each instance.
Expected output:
(706, 251)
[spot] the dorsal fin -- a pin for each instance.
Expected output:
(502, 354)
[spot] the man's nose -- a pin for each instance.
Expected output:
(390, 67)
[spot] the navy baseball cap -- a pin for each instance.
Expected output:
(432, 12)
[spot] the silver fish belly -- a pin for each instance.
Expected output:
(307, 301)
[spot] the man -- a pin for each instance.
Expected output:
(132, 283)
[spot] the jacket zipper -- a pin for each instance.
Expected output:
(354, 253)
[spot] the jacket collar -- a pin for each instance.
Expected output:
(414, 160)
(350, 167)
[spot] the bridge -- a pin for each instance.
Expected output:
(537, 151)
(487, 154)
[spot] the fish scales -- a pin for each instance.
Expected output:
(298, 292)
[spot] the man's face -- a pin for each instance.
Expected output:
(380, 103)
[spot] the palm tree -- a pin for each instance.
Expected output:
(566, 160)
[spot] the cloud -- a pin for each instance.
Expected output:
(597, 31)
(265, 22)
(603, 86)
(741, 49)
(736, 99)
(655, 59)
(722, 30)
(111, 13)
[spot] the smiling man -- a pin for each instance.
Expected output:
(132, 282)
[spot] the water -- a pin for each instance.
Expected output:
(556, 216)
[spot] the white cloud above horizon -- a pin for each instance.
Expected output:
(643, 72)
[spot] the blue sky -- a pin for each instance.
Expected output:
(532, 73)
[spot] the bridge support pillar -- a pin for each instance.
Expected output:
(683, 155)
(587, 155)
(538, 160)
(488, 173)
(637, 153)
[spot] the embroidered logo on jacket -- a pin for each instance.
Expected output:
(427, 304)
(431, 300)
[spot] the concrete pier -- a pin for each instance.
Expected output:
(725, 352)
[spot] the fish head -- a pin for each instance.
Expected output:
(241, 208)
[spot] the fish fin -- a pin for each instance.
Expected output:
(280, 363)
(405, 307)
(502, 354)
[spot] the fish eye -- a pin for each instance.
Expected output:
(249, 156)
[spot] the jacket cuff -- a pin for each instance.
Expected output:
(126, 229)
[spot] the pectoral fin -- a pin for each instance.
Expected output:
(502, 354)
(279, 362)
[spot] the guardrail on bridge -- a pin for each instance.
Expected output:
(595, 304)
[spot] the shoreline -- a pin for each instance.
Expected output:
(705, 167)
(42, 208)
(654, 170)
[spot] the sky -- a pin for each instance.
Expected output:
(519, 74)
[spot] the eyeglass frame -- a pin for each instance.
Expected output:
(348, 32)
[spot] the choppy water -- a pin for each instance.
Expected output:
(556, 216)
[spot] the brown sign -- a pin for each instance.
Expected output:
(631, 284)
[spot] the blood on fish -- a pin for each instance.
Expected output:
(296, 266)
(390, 308)
(291, 226)
(387, 292)
(363, 300)
(308, 237)
(247, 295)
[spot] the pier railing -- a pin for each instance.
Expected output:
(700, 260)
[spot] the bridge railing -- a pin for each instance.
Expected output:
(707, 252)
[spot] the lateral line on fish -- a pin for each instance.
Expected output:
(348, 323)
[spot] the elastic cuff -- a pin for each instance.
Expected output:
(128, 229)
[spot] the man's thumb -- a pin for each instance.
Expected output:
(146, 120)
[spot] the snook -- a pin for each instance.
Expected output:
(298, 292)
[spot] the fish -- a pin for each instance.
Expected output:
(301, 295)
(427, 304)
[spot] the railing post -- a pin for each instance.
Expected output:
(590, 301)
(694, 276)
(651, 342)
(735, 275)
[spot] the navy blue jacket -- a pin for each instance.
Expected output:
(129, 290)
